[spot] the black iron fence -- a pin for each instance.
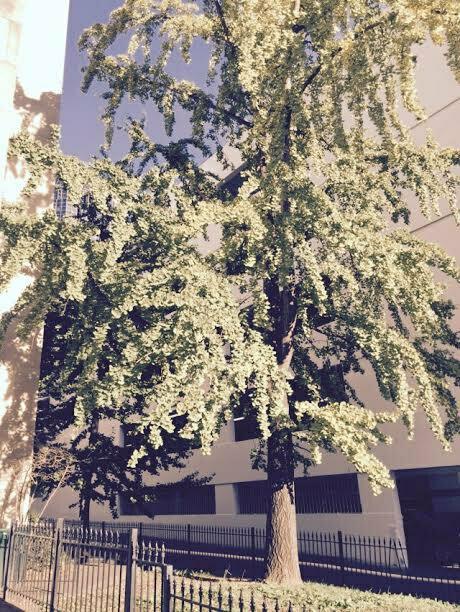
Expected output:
(248, 543)
(126, 566)
(360, 561)
(54, 567)
(60, 567)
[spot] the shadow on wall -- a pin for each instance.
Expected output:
(37, 117)
(20, 360)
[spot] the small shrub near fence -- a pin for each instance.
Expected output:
(56, 566)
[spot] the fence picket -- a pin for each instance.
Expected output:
(56, 552)
(341, 558)
(241, 601)
(130, 580)
(189, 542)
(7, 560)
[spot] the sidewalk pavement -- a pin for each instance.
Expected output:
(6, 607)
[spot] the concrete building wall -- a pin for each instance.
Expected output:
(32, 53)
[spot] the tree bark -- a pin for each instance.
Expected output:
(282, 557)
(85, 510)
(86, 492)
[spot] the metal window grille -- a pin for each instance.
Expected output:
(62, 207)
(328, 494)
(314, 495)
(252, 497)
(180, 500)
(60, 198)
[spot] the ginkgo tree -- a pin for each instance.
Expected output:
(310, 94)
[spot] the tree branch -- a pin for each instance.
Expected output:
(308, 81)
(220, 14)
(224, 111)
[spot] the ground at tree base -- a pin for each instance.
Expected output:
(315, 597)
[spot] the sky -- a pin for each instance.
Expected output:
(82, 131)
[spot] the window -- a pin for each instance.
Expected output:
(433, 491)
(176, 443)
(60, 198)
(231, 185)
(245, 420)
(129, 508)
(328, 494)
(430, 506)
(62, 207)
(176, 499)
(246, 428)
(252, 497)
(337, 494)
(333, 383)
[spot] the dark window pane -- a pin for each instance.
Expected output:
(245, 420)
(246, 428)
(60, 198)
(176, 500)
(252, 497)
(328, 494)
(333, 383)
(231, 186)
(314, 495)
(128, 508)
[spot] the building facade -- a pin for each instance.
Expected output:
(32, 53)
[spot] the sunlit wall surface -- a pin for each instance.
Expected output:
(32, 54)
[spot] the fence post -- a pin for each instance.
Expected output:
(140, 534)
(189, 543)
(7, 560)
(253, 551)
(130, 582)
(56, 552)
(166, 576)
(341, 558)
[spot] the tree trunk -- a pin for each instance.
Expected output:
(85, 510)
(88, 476)
(282, 557)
